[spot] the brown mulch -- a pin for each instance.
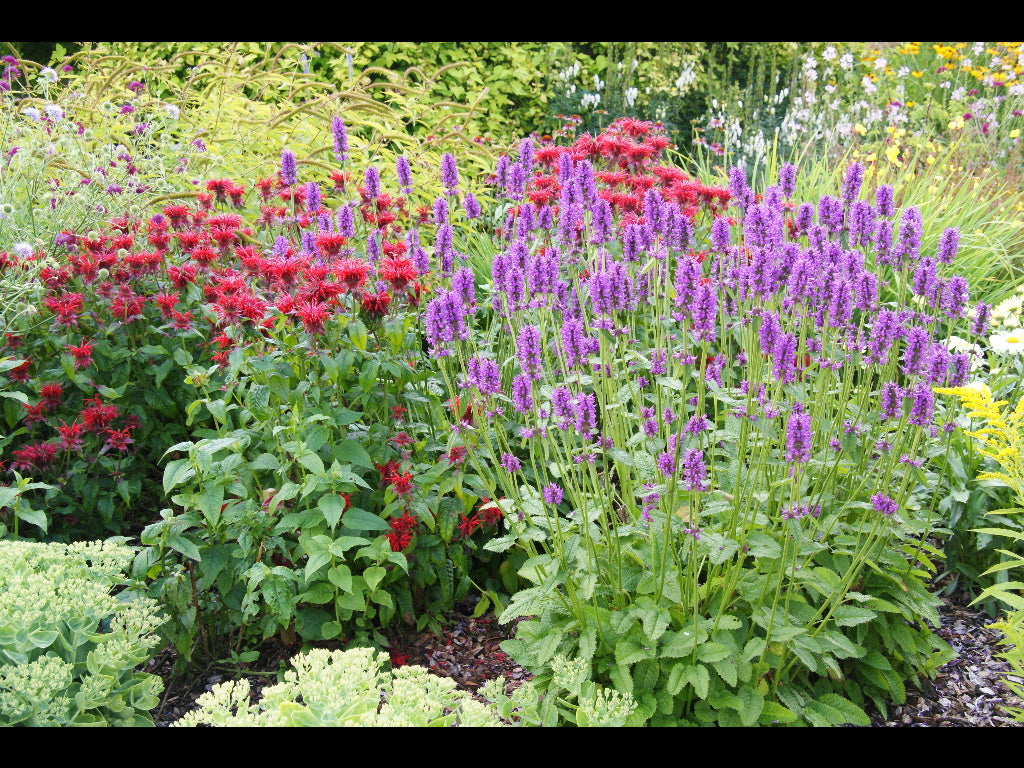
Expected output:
(967, 691)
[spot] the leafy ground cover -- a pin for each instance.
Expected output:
(689, 430)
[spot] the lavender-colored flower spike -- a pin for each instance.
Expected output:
(404, 172)
(313, 198)
(884, 504)
(372, 179)
(787, 179)
(472, 206)
(720, 235)
(949, 242)
(923, 407)
(891, 400)
(884, 201)
(289, 172)
(798, 436)
(553, 495)
(449, 173)
(852, 181)
(981, 315)
(694, 470)
(522, 394)
(340, 136)
(346, 221)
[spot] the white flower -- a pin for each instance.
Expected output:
(880, 62)
(172, 110)
(49, 74)
(846, 61)
(31, 113)
(829, 54)
(1007, 342)
(54, 112)
(21, 250)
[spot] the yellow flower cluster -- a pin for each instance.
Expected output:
(1002, 438)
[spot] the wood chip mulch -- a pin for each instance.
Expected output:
(966, 692)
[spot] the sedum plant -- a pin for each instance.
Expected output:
(354, 688)
(69, 648)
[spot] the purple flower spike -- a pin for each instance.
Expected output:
(289, 172)
(449, 173)
(553, 495)
(884, 504)
(340, 136)
(798, 436)
(404, 172)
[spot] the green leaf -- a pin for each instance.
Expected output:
(361, 520)
(374, 576)
(177, 472)
(34, 516)
(351, 452)
(333, 506)
(710, 652)
(184, 546)
(341, 577)
(852, 615)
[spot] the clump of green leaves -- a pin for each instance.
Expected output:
(69, 648)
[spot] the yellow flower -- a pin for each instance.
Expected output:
(1015, 133)
(860, 129)
(917, 74)
(892, 154)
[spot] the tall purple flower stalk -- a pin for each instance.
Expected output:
(289, 171)
(798, 436)
(340, 136)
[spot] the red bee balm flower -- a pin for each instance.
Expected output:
(398, 271)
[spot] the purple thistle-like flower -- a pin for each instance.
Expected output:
(289, 171)
(830, 214)
(949, 242)
(600, 221)
(528, 350)
(464, 285)
(804, 217)
(516, 183)
(981, 315)
(585, 414)
(926, 280)
(372, 182)
(449, 173)
(884, 253)
(340, 136)
(915, 355)
(884, 202)
(720, 235)
(484, 374)
(471, 206)
(697, 424)
(574, 343)
(783, 357)
(704, 312)
(346, 221)
(562, 409)
(510, 462)
(961, 369)
(908, 247)
(313, 199)
(445, 321)
(955, 295)
(787, 179)
(884, 332)
(852, 181)
(742, 194)
(695, 472)
(891, 401)
(884, 504)
(922, 407)
(862, 224)
(798, 436)
(553, 494)
(522, 394)
(938, 364)
(404, 172)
